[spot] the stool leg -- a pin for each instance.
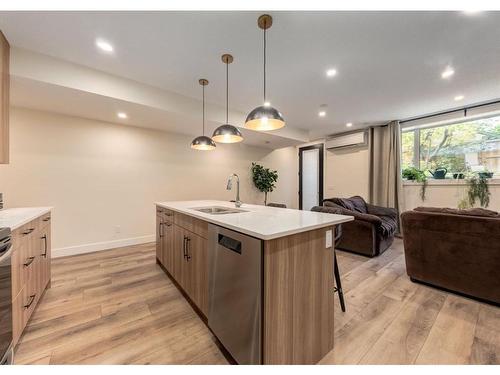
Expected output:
(337, 281)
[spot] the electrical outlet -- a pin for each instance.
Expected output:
(328, 239)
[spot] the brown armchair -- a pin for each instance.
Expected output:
(458, 250)
(373, 228)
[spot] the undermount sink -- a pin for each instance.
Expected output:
(218, 210)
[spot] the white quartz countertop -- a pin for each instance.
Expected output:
(262, 222)
(13, 218)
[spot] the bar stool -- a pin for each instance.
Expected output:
(338, 287)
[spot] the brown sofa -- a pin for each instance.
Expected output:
(373, 228)
(458, 250)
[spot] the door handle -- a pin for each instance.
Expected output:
(44, 238)
(29, 261)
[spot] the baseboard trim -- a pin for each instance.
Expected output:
(99, 246)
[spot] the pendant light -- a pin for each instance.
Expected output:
(265, 117)
(203, 143)
(227, 133)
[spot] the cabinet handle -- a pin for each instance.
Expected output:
(161, 229)
(44, 238)
(168, 224)
(47, 218)
(32, 299)
(28, 231)
(188, 241)
(29, 261)
(184, 243)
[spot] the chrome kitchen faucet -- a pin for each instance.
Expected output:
(237, 203)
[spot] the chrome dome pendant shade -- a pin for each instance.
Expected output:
(265, 117)
(203, 143)
(227, 133)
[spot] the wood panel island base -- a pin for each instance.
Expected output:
(296, 297)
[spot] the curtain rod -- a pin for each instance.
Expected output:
(473, 106)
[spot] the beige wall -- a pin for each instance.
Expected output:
(445, 194)
(347, 172)
(102, 178)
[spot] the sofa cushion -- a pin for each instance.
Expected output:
(455, 211)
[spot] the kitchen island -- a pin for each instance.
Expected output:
(287, 306)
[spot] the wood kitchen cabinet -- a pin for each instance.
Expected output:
(4, 99)
(195, 270)
(164, 238)
(184, 253)
(31, 255)
(167, 248)
(159, 235)
(44, 252)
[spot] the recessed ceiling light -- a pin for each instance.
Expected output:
(448, 72)
(458, 98)
(349, 124)
(104, 45)
(331, 73)
(471, 12)
(322, 113)
(122, 115)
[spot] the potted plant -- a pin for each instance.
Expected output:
(264, 179)
(415, 174)
(478, 189)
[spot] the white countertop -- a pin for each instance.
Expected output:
(262, 222)
(13, 218)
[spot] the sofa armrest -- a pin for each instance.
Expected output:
(372, 219)
(381, 211)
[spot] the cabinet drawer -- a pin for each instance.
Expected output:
(18, 314)
(191, 224)
(45, 220)
(23, 258)
(23, 306)
(166, 215)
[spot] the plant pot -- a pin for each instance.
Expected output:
(485, 174)
(458, 176)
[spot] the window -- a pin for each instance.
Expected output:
(472, 145)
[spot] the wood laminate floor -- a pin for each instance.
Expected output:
(118, 307)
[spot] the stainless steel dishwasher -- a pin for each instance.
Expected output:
(235, 293)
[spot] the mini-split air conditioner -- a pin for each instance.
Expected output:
(348, 140)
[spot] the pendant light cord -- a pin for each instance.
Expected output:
(203, 109)
(227, 92)
(264, 64)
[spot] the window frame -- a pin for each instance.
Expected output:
(416, 138)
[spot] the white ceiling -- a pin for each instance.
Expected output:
(389, 63)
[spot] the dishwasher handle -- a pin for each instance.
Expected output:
(230, 243)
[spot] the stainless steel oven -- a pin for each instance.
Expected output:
(5, 297)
